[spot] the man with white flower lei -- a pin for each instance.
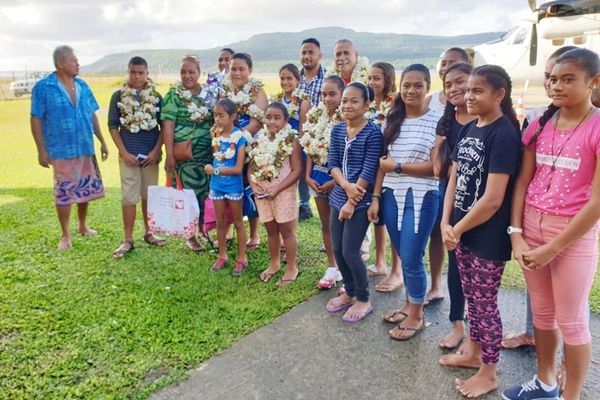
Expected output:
(347, 63)
(134, 126)
(252, 101)
(185, 118)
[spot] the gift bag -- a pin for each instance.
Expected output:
(210, 215)
(173, 212)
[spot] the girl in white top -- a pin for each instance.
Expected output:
(408, 190)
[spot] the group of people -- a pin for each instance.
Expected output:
(454, 169)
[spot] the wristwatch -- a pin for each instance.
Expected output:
(217, 171)
(511, 229)
(398, 168)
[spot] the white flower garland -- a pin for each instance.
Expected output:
(379, 114)
(297, 97)
(138, 115)
(267, 157)
(197, 113)
(360, 73)
(232, 140)
(317, 132)
(244, 98)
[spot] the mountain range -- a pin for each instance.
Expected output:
(271, 50)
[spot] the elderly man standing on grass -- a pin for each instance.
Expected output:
(63, 122)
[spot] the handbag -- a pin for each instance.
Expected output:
(182, 151)
(248, 205)
(173, 211)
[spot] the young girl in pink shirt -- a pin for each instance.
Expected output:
(554, 232)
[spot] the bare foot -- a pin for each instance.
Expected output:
(64, 243)
(396, 315)
(516, 340)
(390, 283)
(357, 312)
(464, 347)
(460, 360)
(434, 294)
(85, 231)
(406, 329)
(453, 339)
(477, 385)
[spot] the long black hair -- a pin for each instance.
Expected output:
(444, 126)
(587, 61)
(278, 106)
(366, 92)
(397, 114)
(497, 77)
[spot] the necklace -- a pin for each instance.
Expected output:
(557, 156)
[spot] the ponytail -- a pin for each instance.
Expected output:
(444, 127)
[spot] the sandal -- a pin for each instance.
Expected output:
(219, 264)
(335, 305)
(284, 282)
(240, 267)
(123, 249)
(252, 246)
(266, 276)
(360, 315)
(433, 300)
(153, 240)
(195, 246)
(415, 331)
(372, 271)
(387, 287)
(391, 316)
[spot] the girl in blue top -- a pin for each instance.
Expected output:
(226, 186)
(354, 151)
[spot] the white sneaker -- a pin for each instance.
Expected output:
(331, 277)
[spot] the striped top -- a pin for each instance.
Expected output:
(413, 145)
(356, 158)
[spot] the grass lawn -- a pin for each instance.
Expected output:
(83, 325)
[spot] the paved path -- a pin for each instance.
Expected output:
(310, 354)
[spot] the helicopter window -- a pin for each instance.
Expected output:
(579, 40)
(558, 42)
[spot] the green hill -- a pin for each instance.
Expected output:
(271, 50)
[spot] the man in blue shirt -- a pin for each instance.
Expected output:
(63, 122)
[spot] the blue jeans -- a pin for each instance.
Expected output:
(410, 245)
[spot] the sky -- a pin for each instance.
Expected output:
(31, 29)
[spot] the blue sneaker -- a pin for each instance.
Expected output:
(531, 390)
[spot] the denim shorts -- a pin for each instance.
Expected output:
(216, 194)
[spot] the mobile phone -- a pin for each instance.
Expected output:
(141, 157)
(262, 196)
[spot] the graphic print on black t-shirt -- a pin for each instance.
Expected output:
(471, 162)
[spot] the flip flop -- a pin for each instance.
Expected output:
(123, 249)
(281, 283)
(265, 277)
(154, 241)
(372, 271)
(432, 301)
(252, 247)
(415, 331)
(389, 316)
(196, 247)
(451, 347)
(388, 287)
(338, 306)
(361, 315)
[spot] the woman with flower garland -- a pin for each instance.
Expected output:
(275, 166)
(382, 79)
(226, 187)
(251, 100)
(347, 64)
(134, 127)
(408, 192)
(356, 146)
(186, 123)
(315, 141)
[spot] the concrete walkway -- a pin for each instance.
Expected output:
(310, 354)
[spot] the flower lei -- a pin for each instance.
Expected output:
(138, 115)
(359, 74)
(233, 140)
(298, 96)
(317, 131)
(379, 114)
(244, 98)
(197, 113)
(267, 157)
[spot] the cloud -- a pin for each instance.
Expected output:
(29, 31)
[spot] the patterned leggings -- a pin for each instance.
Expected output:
(480, 280)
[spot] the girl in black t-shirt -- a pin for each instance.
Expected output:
(454, 119)
(477, 214)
